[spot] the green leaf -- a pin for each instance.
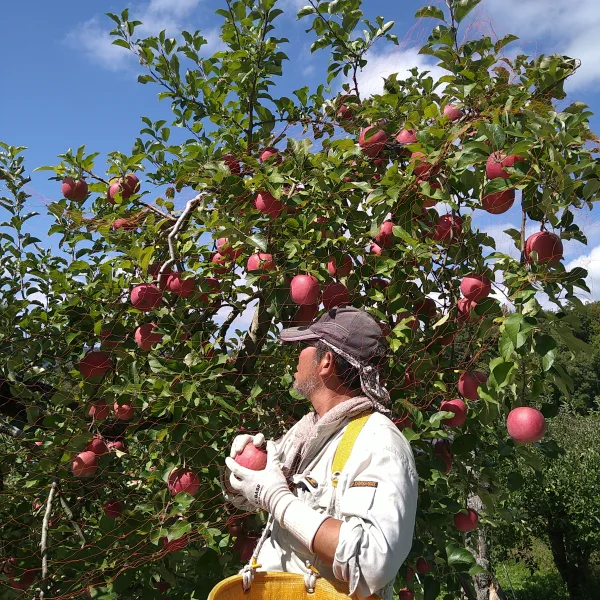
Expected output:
(459, 556)
(463, 7)
(181, 527)
(431, 588)
(432, 12)
(258, 241)
(545, 346)
(464, 444)
(515, 481)
(305, 11)
(500, 371)
(507, 39)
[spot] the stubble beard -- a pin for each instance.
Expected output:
(307, 388)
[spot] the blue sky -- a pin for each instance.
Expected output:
(65, 85)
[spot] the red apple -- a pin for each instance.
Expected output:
(304, 289)
(125, 224)
(247, 549)
(113, 190)
(453, 112)
(252, 458)
(335, 294)
(85, 464)
(448, 229)
(220, 264)
(548, 246)
(213, 287)
(94, 364)
(26, 579)
(426, 306)
(442, 449)
(260, 261)
(422, 169)
(99, 411)
(109, 339)
(305, 314)
(496, 163)
(267, 204)
(475, 287)
(372, 140)
(183, 480)
(466, 522)
(340, 271)
(526, 425)
(146, 297)
(123, 412)
(410, 574)
(344, 113)
(162, 586)
(459, 408)
(117, 445)
(131, 185)
(113, 509)
(375, 249)
(144, 336)
(74, 190)
(469, 382)
(153, 271)
(232, 163)
(385, 237)
(97, 446)
(406, 594)
(498, 203)
(465, 306)
(179, 286)
(407, 136)
(225, 248)
(423, 566)
(272, 155)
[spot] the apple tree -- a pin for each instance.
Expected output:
(129, 363)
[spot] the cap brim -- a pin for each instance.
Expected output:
(298, 334)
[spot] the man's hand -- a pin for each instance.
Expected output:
(266, 489)
(241, 441)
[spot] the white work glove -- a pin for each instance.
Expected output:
(241, 441)
(268, 489)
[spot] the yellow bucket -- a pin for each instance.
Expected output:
(279, 586)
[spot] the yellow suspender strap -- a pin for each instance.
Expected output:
(346, 444)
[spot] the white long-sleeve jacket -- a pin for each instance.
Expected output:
(376, 498)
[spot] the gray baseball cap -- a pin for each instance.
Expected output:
(348, 329)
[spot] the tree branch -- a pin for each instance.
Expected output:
(11, 430)
(67, 510)
(44, 542)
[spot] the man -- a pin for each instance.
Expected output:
(355, 526)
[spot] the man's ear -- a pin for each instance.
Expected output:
(327, 364)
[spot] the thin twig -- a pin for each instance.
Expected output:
(44, 541)
(69, 513)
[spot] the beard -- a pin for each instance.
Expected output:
(307, 388)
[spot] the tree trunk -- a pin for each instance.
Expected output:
(486, 585)
(255, 338)
(573, 572)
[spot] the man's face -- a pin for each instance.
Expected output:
(306, 380)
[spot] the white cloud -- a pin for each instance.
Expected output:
(590, 262)
(93, 39)
(382, 65)
(550, 26)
